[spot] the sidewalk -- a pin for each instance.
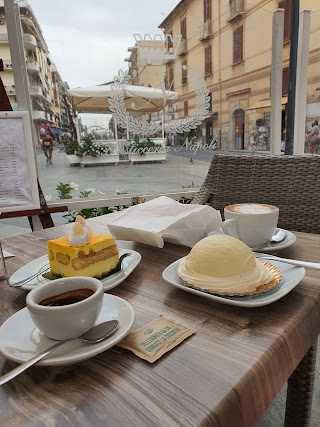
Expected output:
(175, 173)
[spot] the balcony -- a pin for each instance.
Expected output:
(11, 90)
(33, 66)
(30, 41)
(4, 38)
(43, 94)
(39, 115)
(182, 50)
(236, 9)
(206, 30)
(36, 91)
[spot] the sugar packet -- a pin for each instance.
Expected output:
(156, 338)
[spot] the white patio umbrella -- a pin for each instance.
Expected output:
(143, 99)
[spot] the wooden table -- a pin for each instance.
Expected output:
(225, 375)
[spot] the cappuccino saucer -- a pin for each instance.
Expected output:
(272, 246)
(276, 246)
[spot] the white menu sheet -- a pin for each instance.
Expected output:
(18, 176)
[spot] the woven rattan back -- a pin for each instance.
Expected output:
(290, 182)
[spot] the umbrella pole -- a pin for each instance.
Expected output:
(128, 136)
(77, 129)
(163, 119)
(115, 129)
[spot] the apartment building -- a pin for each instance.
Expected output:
(229, 43)
(147, 66)
(145, 61)
(46, 88)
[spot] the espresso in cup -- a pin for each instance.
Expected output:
(252, 223)
(66, 308)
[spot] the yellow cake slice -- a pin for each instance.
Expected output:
(93, 259)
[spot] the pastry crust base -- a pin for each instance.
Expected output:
(277, 277)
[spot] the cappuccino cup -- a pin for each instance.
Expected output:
(252, 223)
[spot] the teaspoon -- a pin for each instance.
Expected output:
(96, 334)
(278, 235)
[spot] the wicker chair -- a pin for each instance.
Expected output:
(289, 182)
(292, 184)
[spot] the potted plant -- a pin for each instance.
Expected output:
(97, 152)
(146, 150)
(71, 149)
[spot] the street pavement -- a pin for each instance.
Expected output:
(176, 172)
(185, 166)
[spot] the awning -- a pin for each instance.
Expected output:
(265, 104)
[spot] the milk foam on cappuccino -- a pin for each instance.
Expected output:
(251, 208)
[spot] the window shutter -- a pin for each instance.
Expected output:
(238, 45)
(185, 108)
(183, 28)
(287, 6)
(171, 77)
(207, 10)
(207, 61)
(285, 81)
(169, 41)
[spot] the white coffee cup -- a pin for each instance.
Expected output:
(72, 319)
(252, 223)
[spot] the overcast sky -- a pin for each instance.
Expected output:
(88, 40)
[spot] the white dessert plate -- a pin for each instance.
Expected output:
(129, 263)
(271, 247)
(291, 276)
(20, 339)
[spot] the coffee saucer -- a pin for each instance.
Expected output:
(276, 246)
(273, 246)
(21, 340)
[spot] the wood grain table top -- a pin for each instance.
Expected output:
(226, 374)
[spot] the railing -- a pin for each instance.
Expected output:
(121, 200)
(35, 90)
(206, 30)
(236, 7)
(33, 66)
(4, 37)
(182, 47)
(30, 39)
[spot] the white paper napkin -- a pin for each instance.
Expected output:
(165, 220)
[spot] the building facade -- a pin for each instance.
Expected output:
(46, 87)
(229, 43)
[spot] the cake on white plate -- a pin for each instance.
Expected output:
(225, 265)
(83, 253)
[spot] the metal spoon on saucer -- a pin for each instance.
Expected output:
(96, 334)
(278, 235)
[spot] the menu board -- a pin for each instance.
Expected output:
(18, 176)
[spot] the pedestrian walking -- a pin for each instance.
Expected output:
(47, 147)
(312, 137)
